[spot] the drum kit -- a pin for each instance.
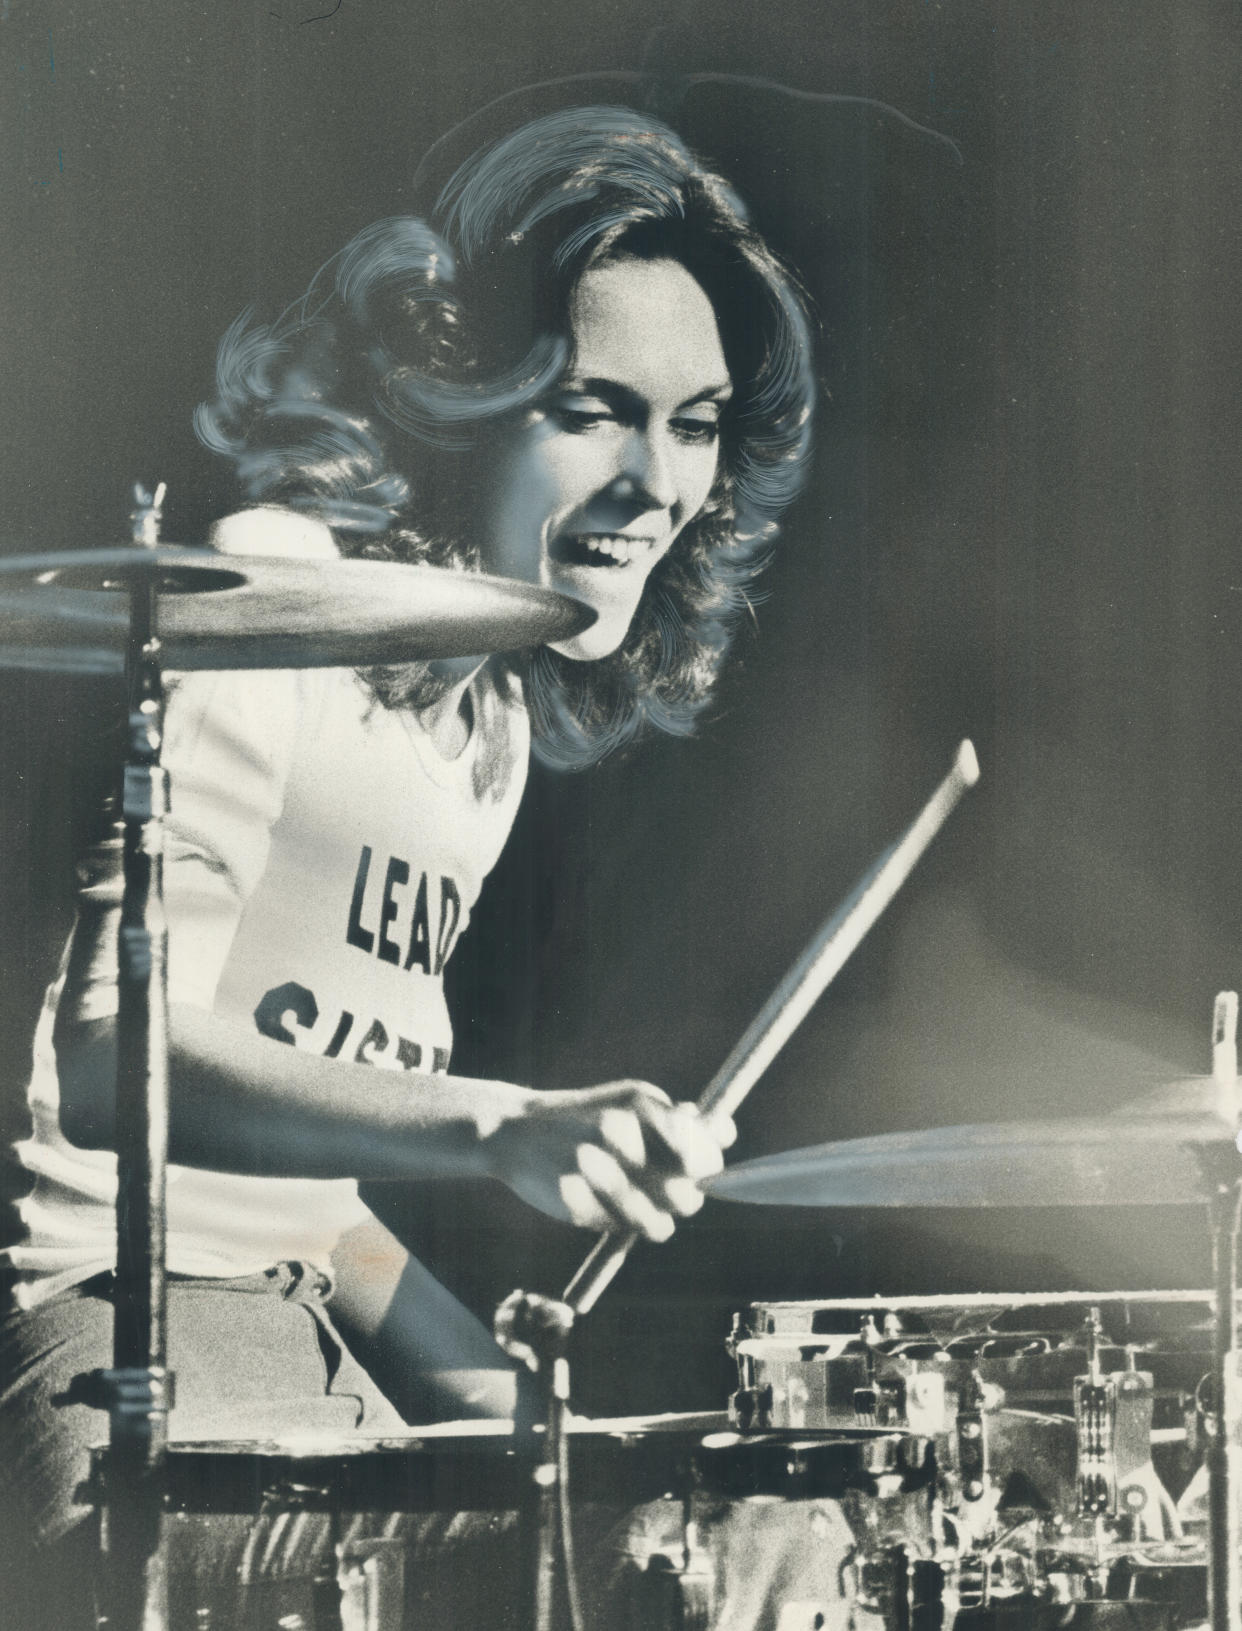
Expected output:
(984, 1461)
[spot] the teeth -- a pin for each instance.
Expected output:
(616, 549)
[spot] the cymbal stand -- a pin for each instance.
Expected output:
(1224, 1211)
(535, 1330)
(1224, 1485)
(137, 1391)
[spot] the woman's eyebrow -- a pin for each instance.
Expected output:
(593, 385)
(710, 393)
(613, 391)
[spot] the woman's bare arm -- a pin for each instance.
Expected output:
(243, 1103)
(431, 1356)
(240, 1102)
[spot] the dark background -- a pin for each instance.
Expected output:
(1021, 527)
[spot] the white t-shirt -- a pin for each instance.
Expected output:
(322, 859)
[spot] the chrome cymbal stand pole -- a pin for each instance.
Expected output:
(535, 1331)
(1224, 1485)
(1223, 1449)
(137, 1390)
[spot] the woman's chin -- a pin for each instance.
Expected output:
(600, 640)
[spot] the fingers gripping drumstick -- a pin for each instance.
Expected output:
(794, 997)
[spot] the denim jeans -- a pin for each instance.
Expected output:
(252, 1359)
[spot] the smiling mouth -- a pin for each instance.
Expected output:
(601, 549)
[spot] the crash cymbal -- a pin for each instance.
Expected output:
(68, 611)
(1165, 1150)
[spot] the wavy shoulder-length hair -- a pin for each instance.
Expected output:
(371, 401)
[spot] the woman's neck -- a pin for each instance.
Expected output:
(449, 720)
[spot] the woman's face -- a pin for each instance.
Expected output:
(587, 490)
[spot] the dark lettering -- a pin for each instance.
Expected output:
(409, 1054)
(290, 998)
(439, 1061)
(343, 1026)
(356, 934)
(374, 1042)
(450, 917)
(398, 873)
(420, 931)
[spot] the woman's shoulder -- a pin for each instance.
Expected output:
(254, 704)
(267, 529)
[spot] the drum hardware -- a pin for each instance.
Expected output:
(1222, 1451)
(873, 1401)
(974, 1465)
(678, 1591)
(1183, 1146)
(1065, 1469)
(919, 1598)
(138, 1389)
(371, 1582)
(1113, 1417)
(535, 1331)
(924, 1403)
(973, 1582)
(751, 1404)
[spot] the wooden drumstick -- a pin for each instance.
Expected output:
(794, 997)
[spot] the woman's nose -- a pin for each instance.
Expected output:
(645, 473)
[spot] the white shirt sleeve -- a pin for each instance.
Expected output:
(228, 748)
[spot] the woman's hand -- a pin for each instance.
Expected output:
(620, 1156)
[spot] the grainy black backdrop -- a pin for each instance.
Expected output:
(1021, 526)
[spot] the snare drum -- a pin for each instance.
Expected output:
(673, 1520)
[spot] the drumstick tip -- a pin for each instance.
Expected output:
(968, 763)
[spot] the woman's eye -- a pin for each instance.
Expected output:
(696, 430)
(582, 416)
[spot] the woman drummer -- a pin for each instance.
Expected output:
(583, 370)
